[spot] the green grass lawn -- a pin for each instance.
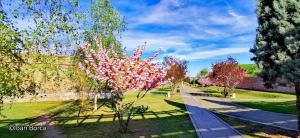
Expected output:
(23, 114)
(269, 101)
(288, 107)
(248, 94)
(166, 117)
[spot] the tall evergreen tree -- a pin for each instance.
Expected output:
(277, 47)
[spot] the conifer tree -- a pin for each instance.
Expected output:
(277, 47)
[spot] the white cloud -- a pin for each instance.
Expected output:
(168, 12)
(174, 12)
(164, 41)
(196, 55)
(195, 22)
(183, 48)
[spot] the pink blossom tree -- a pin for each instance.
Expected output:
(123, 74)
(228, 74)
(205, 82)
(176, 71)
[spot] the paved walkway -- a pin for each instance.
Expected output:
(284, 121)
(206, 124)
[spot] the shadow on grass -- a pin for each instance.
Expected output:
(165, 126)
(207, 92)
(159, 124)
(161, 91)
(181, 106)
(164, 89)
(6, 133)
(172, 123)
(202, 94)
(6, 122)
(212, 92)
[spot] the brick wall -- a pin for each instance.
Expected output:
(257, 83)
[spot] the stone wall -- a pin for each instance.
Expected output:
(58, 96)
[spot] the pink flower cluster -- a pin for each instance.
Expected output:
(122, 73)
(205, 81)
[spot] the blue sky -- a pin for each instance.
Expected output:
(200, 31)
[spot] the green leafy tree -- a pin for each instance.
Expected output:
(51, 28)
(13, 83)
(251, 69)
(54, 27)
(203, 73)
(46, 29)
(9, 63)
(104, 22)
(277, 44)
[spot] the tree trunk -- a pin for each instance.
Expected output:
(95, 102)
(127, 122)
(297, 89)
(168, 94)
(120, 119)
(79, 111)
(123, 123)
(174, 88)
(225, 92)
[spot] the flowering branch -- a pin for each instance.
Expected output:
(122, 73)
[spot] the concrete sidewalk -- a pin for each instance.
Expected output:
(284, 121)
(206, 124)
